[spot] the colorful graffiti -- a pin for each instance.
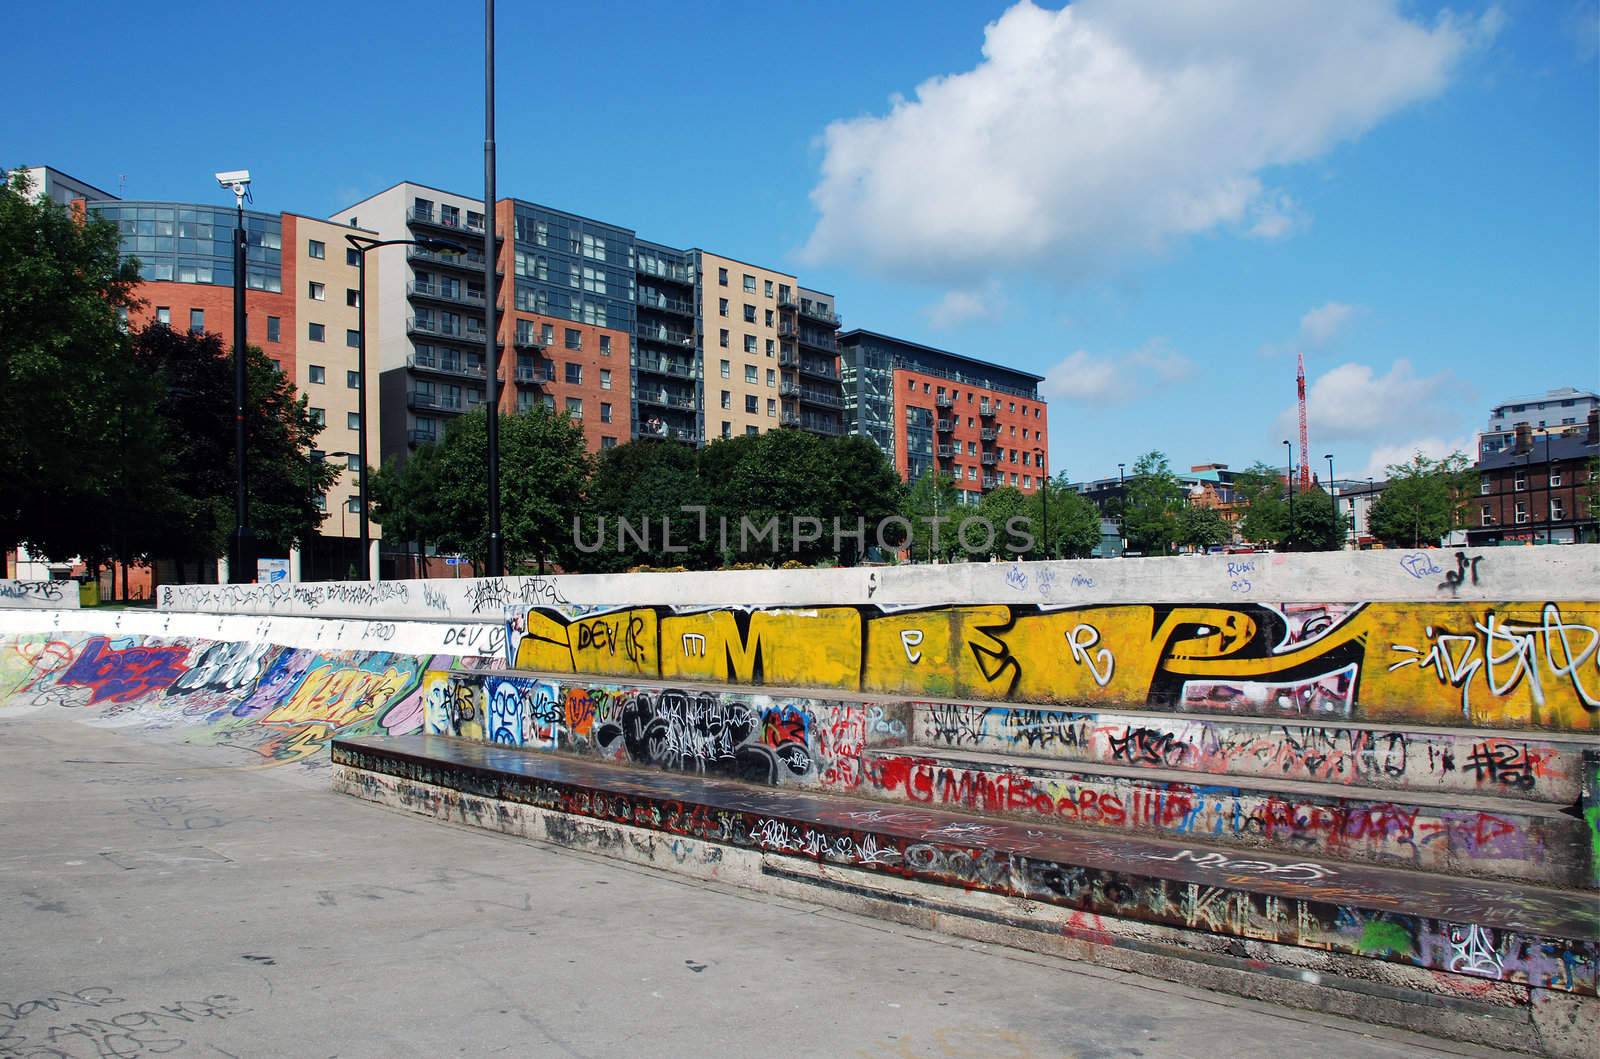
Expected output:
(1506, 665)
(121, 670)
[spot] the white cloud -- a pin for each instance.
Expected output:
(1318, 326)
(1354, 403)
(1107, 129)
(1081, 376)
(1432, 447)
(964, 306)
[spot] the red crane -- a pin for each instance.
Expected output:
(1305, 447)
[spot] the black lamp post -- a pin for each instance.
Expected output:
(490, 259)
(1549, 490)
(1044, 499)
(1333, 501)
(361, 244)
(1122, 509)
(241, 553)
(1289, 450)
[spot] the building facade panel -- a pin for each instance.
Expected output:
(738, 305)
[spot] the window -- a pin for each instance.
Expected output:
(722, 277)
(319, 417)
(574, 338)
(911, 385)
(352, 256)
(353, 420)
(749, 314)
(450, 215)
(772, 407)
(608, 442)
(972, 474)
(574, 374)
(315, 248)
(352, 338)
(605, 411)
(749, 283)
(726, 370)
(769, 318)
(321, 502)
(317, 374)
(547, 334)
(727, 399)
(605, 345)
(769, 291)
(353, 505)
(318, 291)
(772, 377)
(316, 332)
(1522, 512)
(575, 407)
(751, 404)
(197, 320)
(750, 374)
(274, 329)
(1558, 509)
(352, 297)
(722, 307)
(1483, 486)
(770, 346)
(722, 338)
(727, 429)
(749, 343)
(1555, 478)
(475, 220)
(594, 247)
(752, 431)
(972, 448)
(1519, 481)
(352, 380)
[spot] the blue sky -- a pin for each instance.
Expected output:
(1153, 206)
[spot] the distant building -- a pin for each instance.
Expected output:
(1536, 491)
(983, 424)
(1554, 411)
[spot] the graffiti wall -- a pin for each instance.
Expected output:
(38, 595)
(1519, 665)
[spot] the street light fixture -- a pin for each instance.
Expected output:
(1044, 498)
(361, 244)
(1288, 448)
(241, 555)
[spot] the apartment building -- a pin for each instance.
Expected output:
(1537, 490)
(808, 353)
(667, 368)
(983, 424)
(738, 305)
(1558, 411)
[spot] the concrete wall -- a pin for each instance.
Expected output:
(39, 595)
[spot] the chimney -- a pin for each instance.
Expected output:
(1524, 439)
(1593, 435)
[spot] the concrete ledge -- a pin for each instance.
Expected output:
(1499, 1015)
(39, 595)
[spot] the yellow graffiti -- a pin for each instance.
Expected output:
(338, 696)
(818, 647)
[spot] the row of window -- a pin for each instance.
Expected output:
(749, 313)
(318, 375)
(954, 394)
(319, 418)
(1519, 481)
(749, 287)
(1558, 512)
(723, 339)
(318, 292)
(197, 322)
(316, 248)
(572, 338)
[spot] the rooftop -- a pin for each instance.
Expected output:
(859, 332)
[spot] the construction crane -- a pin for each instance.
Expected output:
(1305, 447)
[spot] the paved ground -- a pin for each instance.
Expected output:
(159, 899)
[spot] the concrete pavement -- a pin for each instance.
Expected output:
(160, 898)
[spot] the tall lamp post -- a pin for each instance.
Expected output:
(1122, 510)
(361, 244)
(490, 260)
(1288, 448)
(1333, 501)
(241, 554)
(1044, 499)
(1549, 490)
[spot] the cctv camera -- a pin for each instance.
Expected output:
(233, 176)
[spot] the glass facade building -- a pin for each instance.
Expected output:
(179, 243)
(573, 268)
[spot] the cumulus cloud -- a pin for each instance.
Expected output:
(1319, 326)
(1080, 376)
(1436, 448)
(1353, 402)
(966, 306)
(1107, 129)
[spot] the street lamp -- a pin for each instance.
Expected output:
(361, 244)
(1122, 509)
(1289, 449)
(242, 553)
(1333, 501)
(491, 355)
(1044, 498)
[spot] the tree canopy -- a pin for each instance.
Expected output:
(1151, 505)
(1264, 494)
(1423, 501)
(1202, 528)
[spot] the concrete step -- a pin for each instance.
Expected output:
(1450, 938)
(1476, 761)
(1477, 835)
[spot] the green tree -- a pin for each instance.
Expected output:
(999, 507)
(931, 496)
(647, 483)
(862, 490)
(1318, 526)
(1074, 529)
(63, 367)
(1201, 528)
(1150, 511)
(1423, 501)
(544, 468)
(1264, 494)
(401, 495)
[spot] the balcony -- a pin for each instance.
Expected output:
(788, 358)
(665, 335)
(787, 329)
(948, 452)
(817, 340)
(654, 268)
(787, 301)
(466, 262)
(818, 311)
(987, 410)
(819, 369)
(526, 339)
(434, 402)
(446, 293)
(676, 306)
(664, 399)
(991, 481)
(946, 425)
(821, 425)
(989, 459)
(660, 429)
(423, 437)
(534, 375)
(445, 365)
(989, 434)
(675, 368)
(458, 222)
(819, 397)
(944, 400)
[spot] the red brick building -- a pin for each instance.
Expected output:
(1538, 490)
